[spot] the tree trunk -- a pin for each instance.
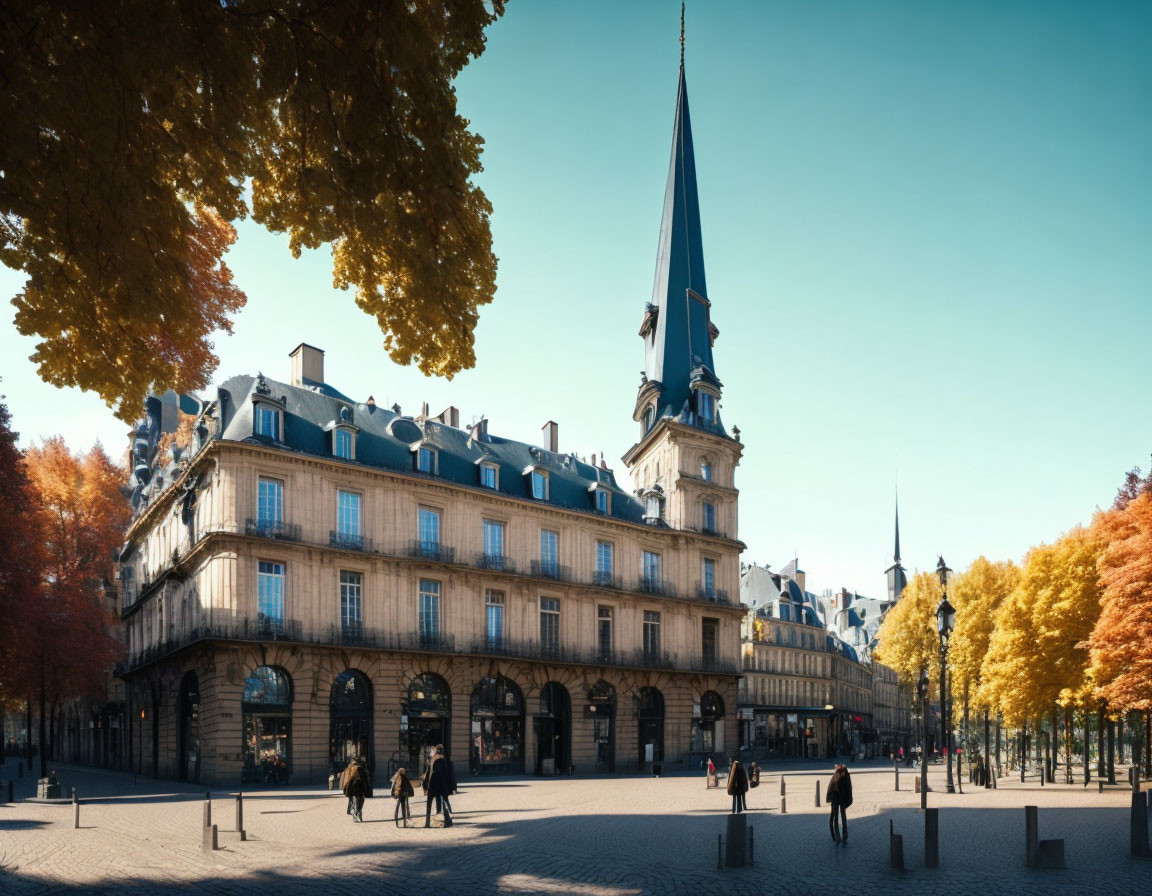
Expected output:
(28, 729)
(1023, 750)
(987, 754)
(1067, 744)
(1087, 746)
(1101, 759)
(1111, 752)
(999, 768)
(1120, 740)
(1147, 744)
(52, 732)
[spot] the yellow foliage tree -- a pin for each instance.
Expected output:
(907, 639)
(134, 129)
(1121, 642)
(1036, 656)
(976, 593)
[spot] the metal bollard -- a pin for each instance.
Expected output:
(207, 810)
(897, 768)
(817, 793)
(75, 811)
(10, 790)
(240, 814)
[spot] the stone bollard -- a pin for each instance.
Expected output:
(895, 848)
(783, 797)
(734, 850)
(896, 767)
(209, 841)
(917, 783)
(1100, 785)
(817, 793)
(931, 838)
(719, 852)
(751, 844)
(207, 810)
(75, 811)
(1139, 824)
(240, 816)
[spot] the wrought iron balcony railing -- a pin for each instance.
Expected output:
(604, 579)
(431, 550)
(498, 562)
(654, 585)
(272, 529)
(349, 540)
(546, 569)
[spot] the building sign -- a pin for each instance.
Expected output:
(747, 712)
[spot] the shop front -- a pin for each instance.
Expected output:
(267, 713)
(497, 710)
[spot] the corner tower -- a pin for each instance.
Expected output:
(684, 461)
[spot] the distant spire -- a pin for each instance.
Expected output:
(897, 554)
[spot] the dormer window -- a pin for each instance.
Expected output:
(266, 420)
(489, 475)
(538, 482)
(426, 460)
(601, 499)
(653, 499)
(649, 418)
(342, 443)
(705, 406)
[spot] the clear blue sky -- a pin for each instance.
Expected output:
(928, 237)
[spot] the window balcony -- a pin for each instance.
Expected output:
(431, 550)
(604, 579)
(712, 595)
(498, 562)
(653, 585)
(349, 541)
(546, 569)
(277, 529)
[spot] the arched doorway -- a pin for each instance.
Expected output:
(190, 727)
(497, 727)
(601, 708)
(650, 725)
(267, 709)
(350, 721)
(427, 715)
(711, 734)
(553, 730)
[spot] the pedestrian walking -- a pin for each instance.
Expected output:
(401, 791)
(437, 788)
(839, 798)
(753, 774)
(451, 770)
(356, 785)
(737, 786)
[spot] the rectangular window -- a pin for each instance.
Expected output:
(270, 501)
(494, 543)
(426, 460)
(348, 514)
(351, 605)
(651, 635)
(601, 501)
(706, 402)
(709, 578)
(494, 618)
(709, 517)
(488, 475)
(650, 571)
(548, 551)
(428, 531)
(708, 632)
(549, 626)
(429, 611)
(267, 422)
(604, 632)
(705, 471)
(343, 444)
(539, 485)
(270, 595)
(603, 563)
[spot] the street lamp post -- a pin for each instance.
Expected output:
(922, 690)
(945, 623)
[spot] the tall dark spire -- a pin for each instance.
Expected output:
(896, 578)
(677, 329)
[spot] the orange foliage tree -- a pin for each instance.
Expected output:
(1121, 642)
(68, 640)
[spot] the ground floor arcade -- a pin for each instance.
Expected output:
(235, 714)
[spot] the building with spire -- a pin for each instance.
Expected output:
(310, 576)
(897, 580)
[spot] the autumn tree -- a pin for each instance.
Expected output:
(976, 593)
(907, 639)
(21, 559)
(1121, 642)
(69, 641)
(132, 133)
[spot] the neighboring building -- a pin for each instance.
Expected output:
(811, 687)
(314, 576)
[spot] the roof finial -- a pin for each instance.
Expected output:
(681, 34)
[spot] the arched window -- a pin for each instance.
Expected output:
(649, 418)
(267, 708)
(268, 686)
(350, 720)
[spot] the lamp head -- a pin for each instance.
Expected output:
(945, 620)
(943, 572)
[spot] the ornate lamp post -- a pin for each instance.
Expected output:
(945, 622)
(922, 690)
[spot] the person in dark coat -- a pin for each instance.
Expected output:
(357, 786)
(839, 798)
(451, 767)
(438, 785)
(401, 791)
(737, 786)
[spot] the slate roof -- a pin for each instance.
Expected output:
(384, 440)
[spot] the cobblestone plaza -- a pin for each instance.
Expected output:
(591, 836)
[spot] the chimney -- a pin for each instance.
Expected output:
(551, 438)
(450, 416)
(307, 364)
(371, 404)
